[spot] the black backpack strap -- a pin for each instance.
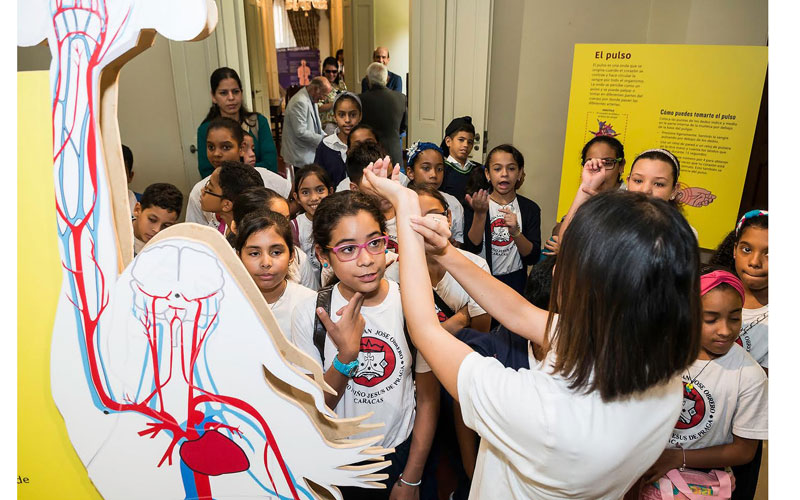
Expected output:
(412, 348)
(323, 301)
(442, 305)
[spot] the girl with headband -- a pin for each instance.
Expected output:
(426, 168)
(655, 172)
(724, 414)
(745, 251)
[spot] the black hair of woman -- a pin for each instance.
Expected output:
(217, 76)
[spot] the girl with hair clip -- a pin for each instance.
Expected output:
(426, 168)
(226, 101)
(332, 151)
(655, 172)
(360, 341)
(265, 245)
(725, 401)
(311, 185)
(616, 345)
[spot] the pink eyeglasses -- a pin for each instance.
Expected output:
(351, 251)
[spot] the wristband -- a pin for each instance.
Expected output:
(348, 370)
(683, 467)
(514, 235)
(407, 483)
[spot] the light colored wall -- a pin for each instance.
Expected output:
(542, 59)
(391, 21)
(148, 119)
(147, 113)
(324, 36)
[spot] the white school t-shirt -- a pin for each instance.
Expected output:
(542, 440)
(457, 216)
(391, 231)
(754, 334)
(300, 270)
(505, 256)
(282, 308)
(728, 396)
(451, 292)
(383, 383)
(306, 243)
(196, 214)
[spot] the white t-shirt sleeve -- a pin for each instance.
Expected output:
(457, 216)
(751, 418)
(420, 365)
(496, 401)
(303, 327)
(193, 211)
(275, 182)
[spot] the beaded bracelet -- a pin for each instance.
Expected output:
(407, 483)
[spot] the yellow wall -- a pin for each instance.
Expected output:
(391, 20)
(44, 453)
(538, 53)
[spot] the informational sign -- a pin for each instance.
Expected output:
(700, 102)
(297, 66)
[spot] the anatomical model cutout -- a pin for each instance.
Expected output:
(171, 373)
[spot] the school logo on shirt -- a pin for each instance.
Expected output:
(745, 341)
(697, 413)
(376, 362)
(500, 235)
(392, 245)
(440, 314)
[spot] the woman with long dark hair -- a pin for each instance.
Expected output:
(624, 323)
(226, 101)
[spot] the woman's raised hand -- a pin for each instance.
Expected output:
(592, 176)
(434, 229)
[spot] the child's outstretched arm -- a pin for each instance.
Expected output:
(443, 352)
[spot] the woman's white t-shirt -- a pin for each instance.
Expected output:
(754, 334)
(505, 255)
(728, 395)
(542, 440)
(282, 308)
(383, 383)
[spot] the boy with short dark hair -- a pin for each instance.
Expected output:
(224, 185)
(458, 143)
(158, 209)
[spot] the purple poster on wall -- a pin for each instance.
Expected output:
(297, 66)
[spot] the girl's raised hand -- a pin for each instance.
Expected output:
(346, 333)
(479, 201)
(592, 176)
(434, 229)
(377, 181)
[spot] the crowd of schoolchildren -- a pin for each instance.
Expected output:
(325, 253)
